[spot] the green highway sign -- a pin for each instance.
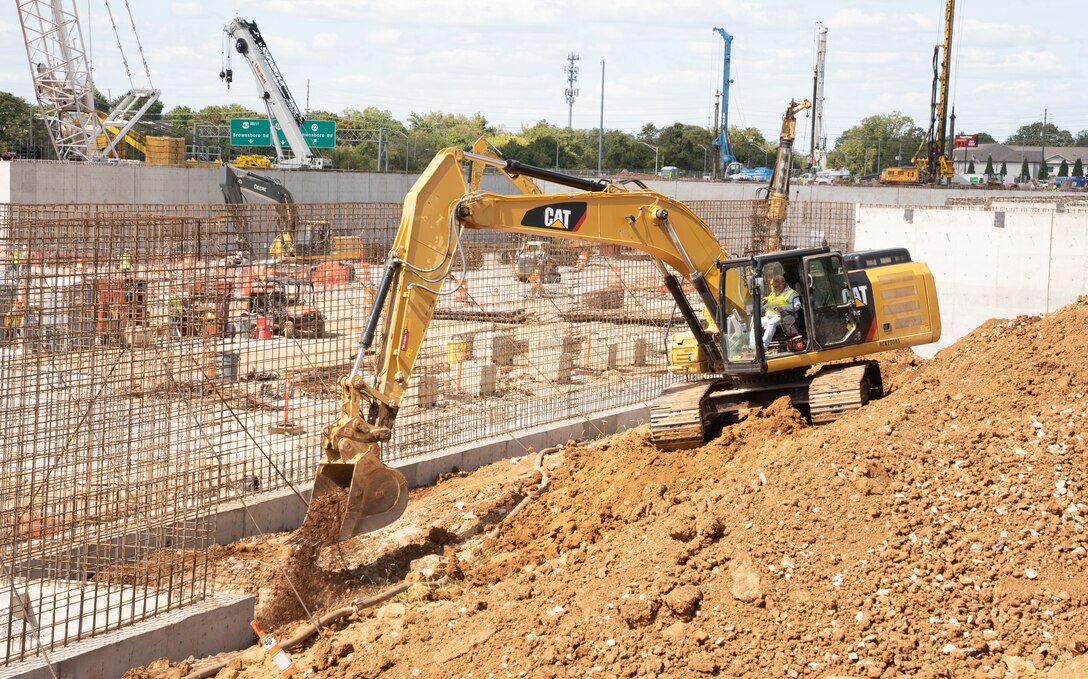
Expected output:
(319, 134)
(249, 132)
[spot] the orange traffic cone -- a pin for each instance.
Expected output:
(615, 279)
(272, 648)
(462, 292)
(583, 259)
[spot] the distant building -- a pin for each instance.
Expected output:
(1014, 156)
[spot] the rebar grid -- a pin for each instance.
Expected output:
(152, 357)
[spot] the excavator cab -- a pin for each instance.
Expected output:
(827, 318)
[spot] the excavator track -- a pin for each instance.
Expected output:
(837, 390)
(676, 420)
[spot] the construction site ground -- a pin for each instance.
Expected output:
(937, 532)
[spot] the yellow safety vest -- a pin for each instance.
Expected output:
(780, 300)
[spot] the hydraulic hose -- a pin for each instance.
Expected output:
(330, 617)
(539, 466)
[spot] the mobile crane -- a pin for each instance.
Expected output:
(853, 305)
(280, 106)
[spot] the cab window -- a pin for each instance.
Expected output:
(834, 314)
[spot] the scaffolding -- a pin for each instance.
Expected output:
(158, 361)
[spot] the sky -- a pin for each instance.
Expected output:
(663, 61)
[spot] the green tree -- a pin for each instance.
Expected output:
(1044, 170)
(180, 118)
(1063, 169)
(680, 146)
(1081, 138)
(1004, 169)
(876, 140)
(1036, 134)
(750, 147)
(989, 165)
(971, 166)
(1078, 168)
(221, 115)
(16, 117)
(986, 138)
(1025, 173)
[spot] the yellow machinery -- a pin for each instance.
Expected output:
(252, 161)
(930, 162)
(769, 237)
(298, 240)
(853, 305)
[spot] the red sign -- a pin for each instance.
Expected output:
(964, 141)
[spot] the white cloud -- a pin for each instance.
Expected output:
(325, 41)
(187, 10)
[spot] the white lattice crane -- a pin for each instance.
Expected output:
(61, 71)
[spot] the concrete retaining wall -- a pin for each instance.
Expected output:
(38, 182)
(987, 263)
(216, 625)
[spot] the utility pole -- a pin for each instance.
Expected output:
(600, 130)
(571, 91)
(715, 142)
(1044, 173)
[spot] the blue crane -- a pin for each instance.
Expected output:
(722, 140)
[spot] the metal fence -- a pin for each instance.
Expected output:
(156, 361)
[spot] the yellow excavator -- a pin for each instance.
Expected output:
(851, 306)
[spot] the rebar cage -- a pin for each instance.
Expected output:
(159, 360)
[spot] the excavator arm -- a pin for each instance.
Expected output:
(427, 248)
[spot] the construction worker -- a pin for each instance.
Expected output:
(176, 308)
(19, 257)
(780, 307)
(13, 320)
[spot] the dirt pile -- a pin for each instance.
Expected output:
(937, 532)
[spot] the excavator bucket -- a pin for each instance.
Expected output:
(376, 496)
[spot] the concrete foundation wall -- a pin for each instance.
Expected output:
(987, 263)
(38, 182)
(214, 626)
(5, 182)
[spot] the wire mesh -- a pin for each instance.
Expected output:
(156, 361)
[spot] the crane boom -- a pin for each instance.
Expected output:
(64, 88)
(279, 105)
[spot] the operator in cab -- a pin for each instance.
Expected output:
(780, 307)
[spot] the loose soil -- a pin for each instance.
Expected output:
(938, 532)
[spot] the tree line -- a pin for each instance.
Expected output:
(875, 143)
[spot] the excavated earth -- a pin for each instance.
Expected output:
(938, 532)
